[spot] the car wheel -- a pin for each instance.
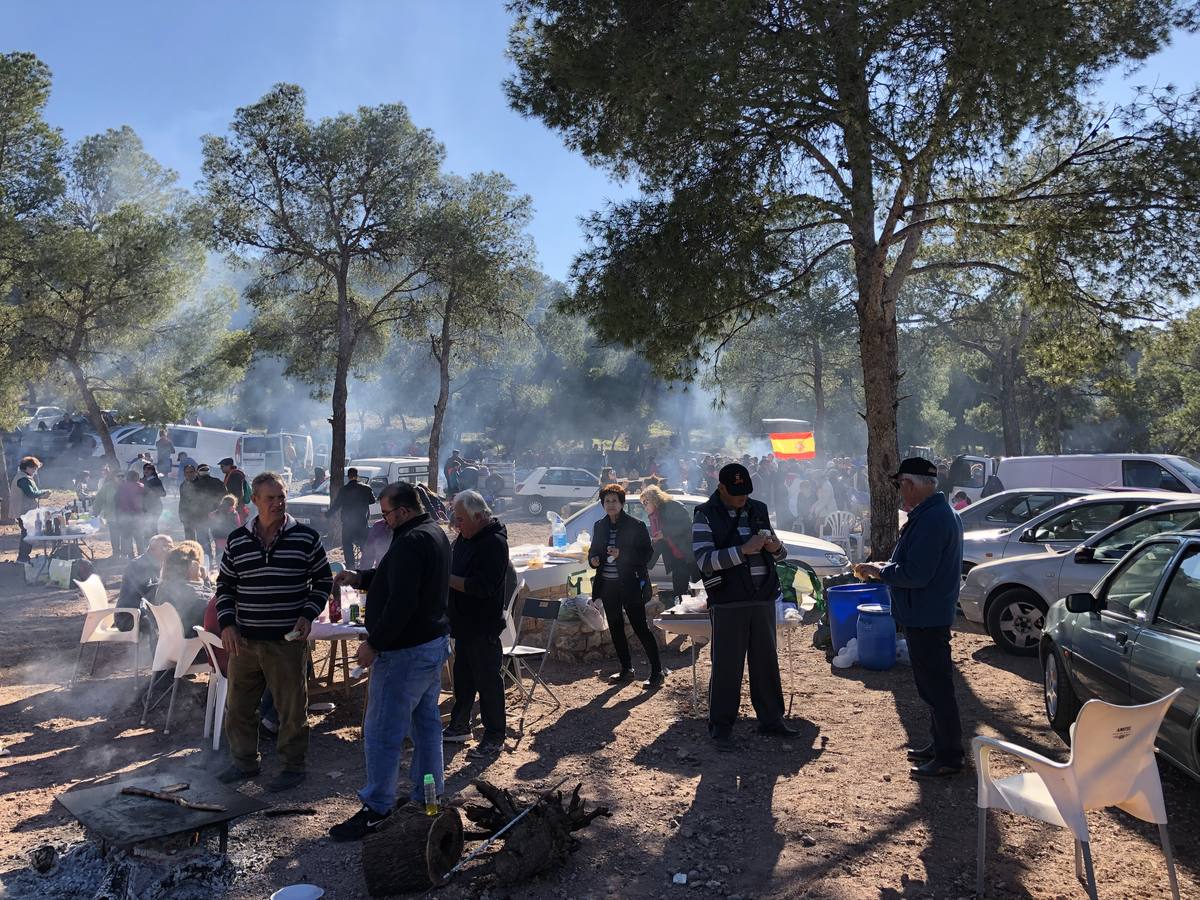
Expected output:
(535, 506)
(1015, 620)
(1062, 703)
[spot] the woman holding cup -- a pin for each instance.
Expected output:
(621, 551)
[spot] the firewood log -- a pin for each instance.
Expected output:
(412, 852)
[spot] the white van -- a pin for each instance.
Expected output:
(1148, 471)
(412, 469)
(205, 445)
(267, 453)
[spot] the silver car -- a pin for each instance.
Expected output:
(1010, 596)
(828, 560)
(1060, 528)
(1008, 509)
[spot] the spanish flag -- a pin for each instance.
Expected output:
(793, 445)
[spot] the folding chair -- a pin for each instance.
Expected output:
(517, 654)
(1112, 764)
(99, 625)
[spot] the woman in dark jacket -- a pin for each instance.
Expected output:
(623, 582)
(671, 531)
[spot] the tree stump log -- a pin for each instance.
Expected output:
(412, 852)
(538, 842)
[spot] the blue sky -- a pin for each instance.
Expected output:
(174, 70)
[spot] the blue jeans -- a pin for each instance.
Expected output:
(404, 689)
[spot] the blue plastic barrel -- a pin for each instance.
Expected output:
(843, 601)
(876, 637)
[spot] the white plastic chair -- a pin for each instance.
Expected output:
(1112, 764)
(99, 625)
(218, 688)
(838, 529)
(171, 651)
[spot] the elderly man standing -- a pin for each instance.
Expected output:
(480, 582)
(924, 575)
(405, 648)
(736, 550)
(274, 581)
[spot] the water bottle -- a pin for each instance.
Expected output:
(558, 530)
(431, 804)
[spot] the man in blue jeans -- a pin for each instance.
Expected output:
(406, 645)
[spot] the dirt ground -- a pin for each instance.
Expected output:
(831, 814)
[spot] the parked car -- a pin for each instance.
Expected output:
(1060, 528)
(1010, 596)
(310, 508)
(551, 487)
(1009, 509)
(41, 415)
(828, 560)
(267, 453)
(203, 444)
(412, 469)
(1131, 639)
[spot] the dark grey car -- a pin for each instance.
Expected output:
(1134, 638)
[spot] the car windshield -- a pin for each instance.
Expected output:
(1188, 468)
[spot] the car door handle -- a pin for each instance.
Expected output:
(1121, 637)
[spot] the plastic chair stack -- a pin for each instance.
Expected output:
(218, 688)
(838, 528)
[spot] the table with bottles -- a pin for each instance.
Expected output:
(339, 634)
(543, 567)
(52, 528)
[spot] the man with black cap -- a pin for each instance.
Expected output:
(236, 484)
(353, 501)
(736, 551)
(923, 576)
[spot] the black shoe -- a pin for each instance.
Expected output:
(779, 729)
(453, 734)
(285, 780)
(655, 680)
(621, 677)
(920, 754)
(358, 826)
(234, 774)
(935, 769)
(724, 743)
(486, 749)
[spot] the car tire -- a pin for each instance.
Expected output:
(1015, 620)
(535, 506)
(1058, 695)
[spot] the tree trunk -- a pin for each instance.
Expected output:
(878, 350)
(95, 416)
(1010, 419)
(341, 389)
(412, 852)
(5, 499)
(821, 439)
(441, 352)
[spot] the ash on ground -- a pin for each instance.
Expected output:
(79, 871)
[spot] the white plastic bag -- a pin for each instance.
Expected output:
(588, 610)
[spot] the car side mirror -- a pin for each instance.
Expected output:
(1082, 603)
(1026, 537)
(1085, 555)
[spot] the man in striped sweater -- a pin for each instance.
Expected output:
(736, 550)
(274, 581)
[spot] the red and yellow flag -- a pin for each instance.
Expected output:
(794, 445)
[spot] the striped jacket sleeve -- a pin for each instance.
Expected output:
(320, 577)
(708, 558)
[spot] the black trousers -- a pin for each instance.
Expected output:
(616, 607)
(741, 633)
(681, 574)
(933, 671)
(24, 548)
(352, 536)
(477, 661)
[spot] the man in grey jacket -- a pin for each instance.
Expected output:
(923, 576)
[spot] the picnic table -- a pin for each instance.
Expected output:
(78, 536)
(556, 564)
(339, 637)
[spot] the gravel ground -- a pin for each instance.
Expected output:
(831, 814)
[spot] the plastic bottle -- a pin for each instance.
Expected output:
(558, 530)
(431, 804)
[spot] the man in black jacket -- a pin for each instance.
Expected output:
(481, 579)
(736, 551)
(353, 501)
(405, 648)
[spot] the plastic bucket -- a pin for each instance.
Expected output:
(843, 601)
(876, 637)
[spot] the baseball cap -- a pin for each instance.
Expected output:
(917, 465)
(227, 461)
(203, 468)
(736, 479)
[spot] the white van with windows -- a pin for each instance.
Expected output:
(1099, 471)
(205, 445)
(270, 453)
(412, 469)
